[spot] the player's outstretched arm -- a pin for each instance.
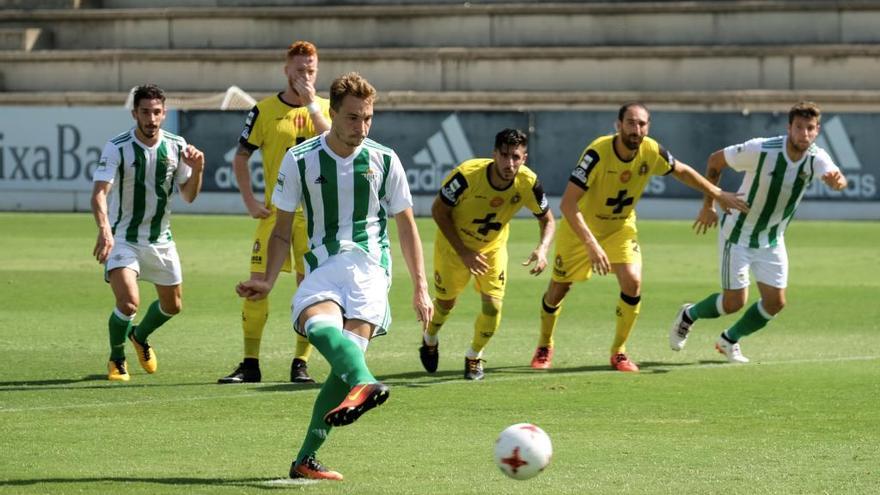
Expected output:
(276, 253)
(539, 255)
(726, 200)
(411, 247)
(195, 159)
(104, 243)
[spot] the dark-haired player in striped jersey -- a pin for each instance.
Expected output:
(138, 170)
(598, 232)
(777, 172)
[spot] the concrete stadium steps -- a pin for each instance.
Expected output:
(24, 39)
(665, 68)
(738, 101)
(466, 25)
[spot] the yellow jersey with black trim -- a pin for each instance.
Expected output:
(480, 212)
(274, 126)
(613, 186)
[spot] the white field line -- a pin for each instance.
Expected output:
(451, 381)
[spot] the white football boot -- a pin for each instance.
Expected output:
(678, 334)
(731, 351)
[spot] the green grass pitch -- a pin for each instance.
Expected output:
(803, 417)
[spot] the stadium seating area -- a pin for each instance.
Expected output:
(442, 54)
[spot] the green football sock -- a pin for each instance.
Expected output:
(707, 308)
(119, 327)
(152, 320)
(754, 319)
(332, 393)
(345, 357)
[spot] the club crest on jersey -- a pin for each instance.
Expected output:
(643, 168)
(625, 176)
(515, 199)
(496, 202)
(371, 176)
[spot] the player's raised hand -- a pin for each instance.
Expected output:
(194, 157)
(707, 218)
(253, 290)
(732, 201)
(835, 180)
(103, 245)
(539, 258)
(598, 259)
(423, 306)
(475, 262)
(305, 89)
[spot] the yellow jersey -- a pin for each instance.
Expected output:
(275, 126)
(613, 186)
(480, 212)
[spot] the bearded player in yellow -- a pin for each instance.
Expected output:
(472, 212)
(598, 231)
(274, 125)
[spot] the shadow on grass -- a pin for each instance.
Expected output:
(263, 483)
(420, 378)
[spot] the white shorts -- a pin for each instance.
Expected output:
(156, 263)
(355, 283)
(770, 264)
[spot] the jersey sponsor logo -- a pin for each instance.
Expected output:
(257, 246)
(487, 224)
(620, 201)
(443, 150)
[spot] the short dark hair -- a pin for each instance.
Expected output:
(626, 106)
(511, 137)
(148, 92)
(350, 84)
(805, 109)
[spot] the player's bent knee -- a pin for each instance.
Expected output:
(445, 304)
(491, 307)
(731, 306)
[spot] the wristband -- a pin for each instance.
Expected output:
(313, 107)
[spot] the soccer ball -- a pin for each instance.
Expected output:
(522, 451)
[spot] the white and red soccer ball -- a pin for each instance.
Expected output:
(522, 451)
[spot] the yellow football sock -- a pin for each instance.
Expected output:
(627, 314)
(438, 320)
(549, 317)
(487, 323)
(303, 348)
(253, 318)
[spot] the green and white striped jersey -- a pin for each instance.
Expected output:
(773, 187)
(346, 200)
(143, 180)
